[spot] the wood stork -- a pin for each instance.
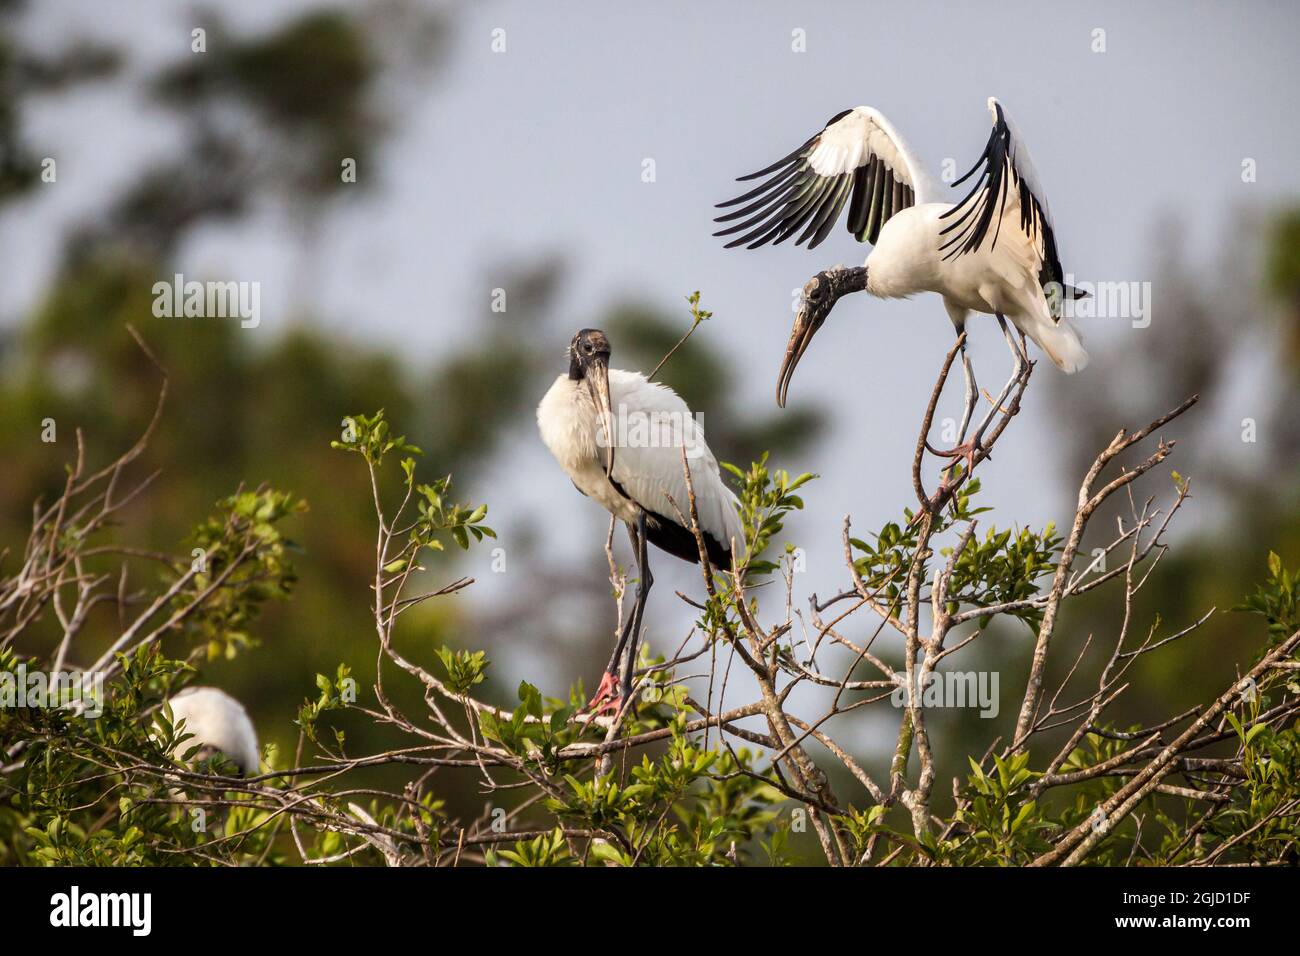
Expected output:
(218, 723)
(994, 251)
(620, 438)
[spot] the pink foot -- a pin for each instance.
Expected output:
(607, 699)
(965, 451)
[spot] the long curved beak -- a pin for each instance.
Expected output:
(597, 379)
(806, 324)
(817, 304)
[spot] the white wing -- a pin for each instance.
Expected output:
(858, 158)
(1007, 201)
(654, 426)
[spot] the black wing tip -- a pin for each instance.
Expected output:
(814, 216)
(779, 164)
(747, 241)
(837, 117)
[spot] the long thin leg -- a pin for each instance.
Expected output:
(644, 581)
(613, 687)
(972, 391)
(1017, 352)
(970, 447)
(1021, 360)
(612, 666)
(606, 696)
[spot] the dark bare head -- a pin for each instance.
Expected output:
(819, 296)
(588, 345)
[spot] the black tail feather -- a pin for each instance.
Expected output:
(668, 535)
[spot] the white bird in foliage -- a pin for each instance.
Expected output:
(994, 251)
(219, 724)
(620, 439)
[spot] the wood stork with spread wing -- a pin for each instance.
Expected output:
(621, 438)
(217, 723)
(994, 251)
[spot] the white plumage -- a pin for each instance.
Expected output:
(994, 251)
(862, 133)
(217, 721)
(650, 474)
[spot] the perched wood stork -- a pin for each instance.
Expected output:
(994, 251)
(620, 439)
(218, 723)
